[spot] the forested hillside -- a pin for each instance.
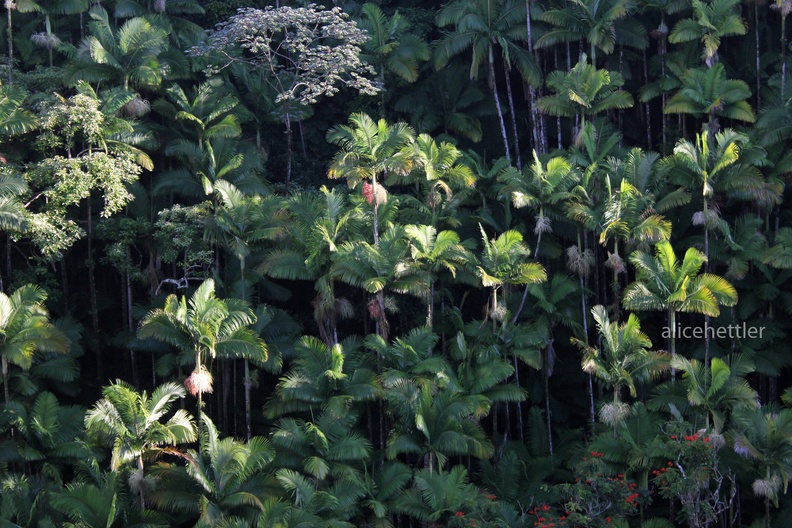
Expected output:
(484, 263)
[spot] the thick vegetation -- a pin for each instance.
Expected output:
(490, 263)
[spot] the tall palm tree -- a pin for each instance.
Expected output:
(49, 9)
(709, 93)
(131, 423)
(430, 253)
(584, 91)
(436, 424)
(448, 102)
(391, 47)
(764, 435)
(718, 390)
(712, 20)
(374, 268)
(712, 163)
(627, 217)
(484, 27)
(25, 328)
(225, 478)
(204, 328)
(370, 151)
(128, 55)
(601, 23)
(664, 283)
(542, 187)
(624, 358)
(502, 263)
(317, 224)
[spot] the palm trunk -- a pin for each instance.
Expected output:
(430, 305)
(92, 293)
(672, 339)
(783, 55)
(547, 373)
(494, 87)
(289, 146)
(9, 5)
(758, 55)
(247, 384)
(142, 497)
(536, 129)
(510, 98)
(6, 391)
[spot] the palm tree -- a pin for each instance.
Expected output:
(627, 217)
(712, 164)
(436, 497)
(128, 55)
(585, 91)
(317, 224)
(45, 436)
(502, 264)
(483, 26)
(712, 20)
(324, 377)
(225, 478)
(436, 424)
(664, 283)
(205, 327)
(25, 328)
(602, 24)
(447, 101)
(430, 253)
(131, 423)
(206, 116)
(764, 435)
(784, 7)
(624, 357)
(370, 151)
(50, 9)
(390, 46)
(718, 389)
(99, 500)
(374, 268)
(709, 93)
(542, 187)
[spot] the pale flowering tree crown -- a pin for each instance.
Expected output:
(306, 52)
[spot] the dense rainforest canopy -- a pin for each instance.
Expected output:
(483, 263)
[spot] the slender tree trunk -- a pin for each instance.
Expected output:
(9, 5)
(247, 384)
(289, 146)
(494, 87)
(672, 339)
(536, 118)
(131, 328)
(6, 391)
(430, 305)
(142, 498)
(547, 373)
(92, 294)
(647, 105)
(758, 55)
(783, 55)
(510, 97)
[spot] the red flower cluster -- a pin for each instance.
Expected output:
(491, 497)
(547, 519)
(459, 514)
(631, 499)
(368, 192)
(597, 454)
